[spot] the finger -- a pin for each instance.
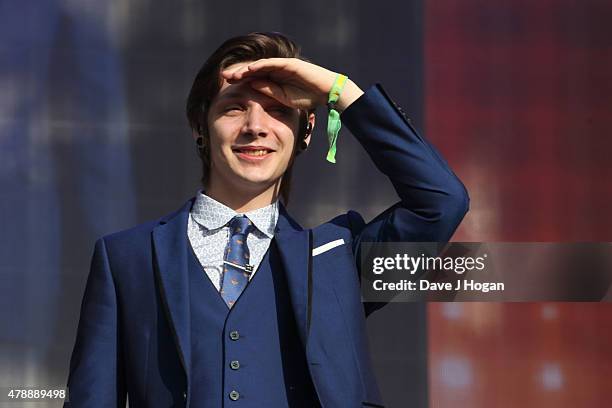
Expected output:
(287, 66)
(268, 63)
(269, 88)
(241, 72)
(229, 72)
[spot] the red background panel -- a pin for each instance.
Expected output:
(522, 94)
(521, 91)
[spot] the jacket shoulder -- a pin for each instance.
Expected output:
(140, 234)
(132, 233)
(349, 223)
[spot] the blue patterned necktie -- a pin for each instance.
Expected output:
(236, 268)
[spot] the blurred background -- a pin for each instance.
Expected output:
(515, 94)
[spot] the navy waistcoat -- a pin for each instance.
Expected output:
(251, 355)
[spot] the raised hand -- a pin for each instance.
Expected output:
(293, 82)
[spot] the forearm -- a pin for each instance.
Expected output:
(423, 180)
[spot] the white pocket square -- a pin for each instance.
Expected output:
(326, 247)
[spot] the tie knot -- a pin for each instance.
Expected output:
(240, 225)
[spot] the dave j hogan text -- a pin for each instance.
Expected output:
(425, 285)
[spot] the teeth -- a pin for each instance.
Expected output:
(254, 152)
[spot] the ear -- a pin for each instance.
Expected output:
(311, 121)
(195, 134)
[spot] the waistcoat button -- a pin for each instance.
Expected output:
(234, 335)
(235, 364)
(234, 395)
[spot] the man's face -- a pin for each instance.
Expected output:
(252, 137)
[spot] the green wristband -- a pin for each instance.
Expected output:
(333, 119)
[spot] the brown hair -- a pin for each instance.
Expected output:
(208, 82)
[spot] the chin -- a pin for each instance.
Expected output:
(258, 175)
(256, 182)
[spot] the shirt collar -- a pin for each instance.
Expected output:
(211, 214)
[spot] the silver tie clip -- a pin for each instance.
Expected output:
(246, 268)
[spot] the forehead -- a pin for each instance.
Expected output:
(237, 90)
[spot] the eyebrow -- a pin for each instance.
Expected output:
(230, 95)
(237, 94)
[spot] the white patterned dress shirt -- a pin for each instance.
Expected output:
(209, 234)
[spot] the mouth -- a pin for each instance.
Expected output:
(253, 153)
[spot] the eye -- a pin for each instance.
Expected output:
(280, 109)
(231, 108)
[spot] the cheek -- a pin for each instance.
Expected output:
(219, 148)
(289, 136)
(289, 143)
(218, 139)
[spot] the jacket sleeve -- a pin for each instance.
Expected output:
(433, 201)
(96, 377)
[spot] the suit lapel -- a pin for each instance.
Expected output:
(171, 248)
(294, 245)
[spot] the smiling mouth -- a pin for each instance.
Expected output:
(252, 152)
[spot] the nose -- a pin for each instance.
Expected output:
(256, 121)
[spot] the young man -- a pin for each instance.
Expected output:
(228, 301)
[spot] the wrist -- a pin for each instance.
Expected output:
(350, 93)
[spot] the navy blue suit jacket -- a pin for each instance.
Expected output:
(138, 271)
